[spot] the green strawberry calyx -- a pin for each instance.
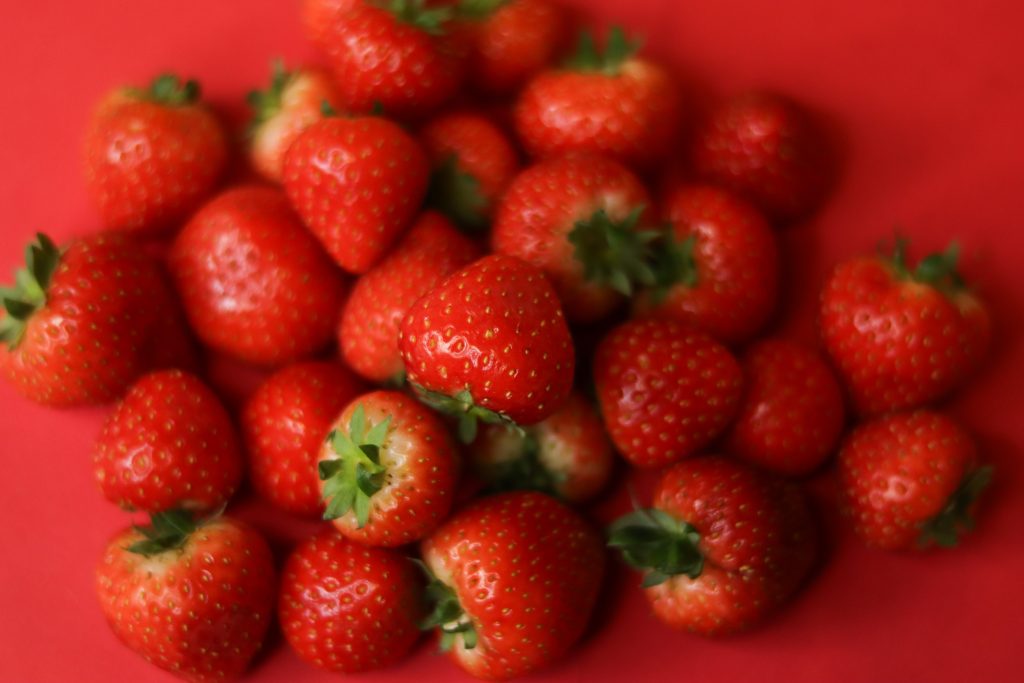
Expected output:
(525, 471)
(169, 90)
(417, 13)
(28, 294)
(478, 9)
(266, 104)
(938, 270)
(945, 528)
(351, 479)
(617, 50)
(463, 407)
(168, 530)
(457, 195)
(658, 543)
(446, 614)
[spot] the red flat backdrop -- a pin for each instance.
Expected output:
(928, 99)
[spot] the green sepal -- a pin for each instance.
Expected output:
(457, 195)
(674, 264)
(446, 613)
(616, 254)
(945, 528)
(938, 270)
(417, 13)
(351, 479)
(169, 90)
(618, 48)
(28, 294)
(525, 472)
(655, 541)
(265, 104)
(478, 9)
(167, 531)
(462, 406)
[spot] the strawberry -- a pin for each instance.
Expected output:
(666, 391)
(285, 423)
(152, 156)
(567, 454)
(368, 331)
(193, 598)
(728, 287)
(348, 608)
(474, 161)
(791, 415)
(388, 470)
(517, 577)
(357, 183)
(613, 103)
(168, 444)
(910, 480)
(902, 337)
(254, 283)
(291, 104)
(721, 547)
(490, 343)
(764, 147)
(318, 16)
(80, 323)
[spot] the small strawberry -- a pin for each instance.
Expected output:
(900, 337)
(765, 148)
(516, 579)
(318, 16)
(293, 102)
(285, 423)
(168, 444)
(791, 415)
(388, 470)
(254, 283)
(910, 480)
(347, 608)
(152, 156)
(666, 391)
(490, 343)
(567, 454)
(368, 331)
(722, 546)
(613, 103)
(193, 598)
(357, 183)
(728, 287)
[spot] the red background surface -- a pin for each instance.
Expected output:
(928, 99)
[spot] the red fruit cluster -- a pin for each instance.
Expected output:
(431, 117)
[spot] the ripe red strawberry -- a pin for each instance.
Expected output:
(728, 287)
(318, 16)
(404, 56)
(254, 283)
(368, 331)
(285, 423)
(193, 598)
(791, 415)
(902, 337)
(168, 444)
(612, 103)
(80, 323)
(722, 546)
(490, 343)
(474, 161)
(357, 183)
(910, 480)
(292, 103)
(764, 147)
(567, 454)
(517, 576)
(388, 470)
(152, 156)
(348, 608)
(666, 391)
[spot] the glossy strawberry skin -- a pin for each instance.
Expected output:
(284, 425)
(525, 617)
(665, 390)
(357, 183)
(200, 612)
(494, 328)
(255, 285)
(370, 320)
(736, 265)
(318, 16)
(348, 608)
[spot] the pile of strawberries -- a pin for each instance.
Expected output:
(529, 271)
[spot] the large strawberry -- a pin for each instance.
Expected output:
(516, 578)
(490, 343)
(254, 283)
(613, 103)
(721, 547)
(318, 16)
(151, 156)
(368, 331)
(285, 423)
(357, 183)
(387, 470)
(902, 337)
(348, 608)
(194, 598)
(665, 389)
(911, 480)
